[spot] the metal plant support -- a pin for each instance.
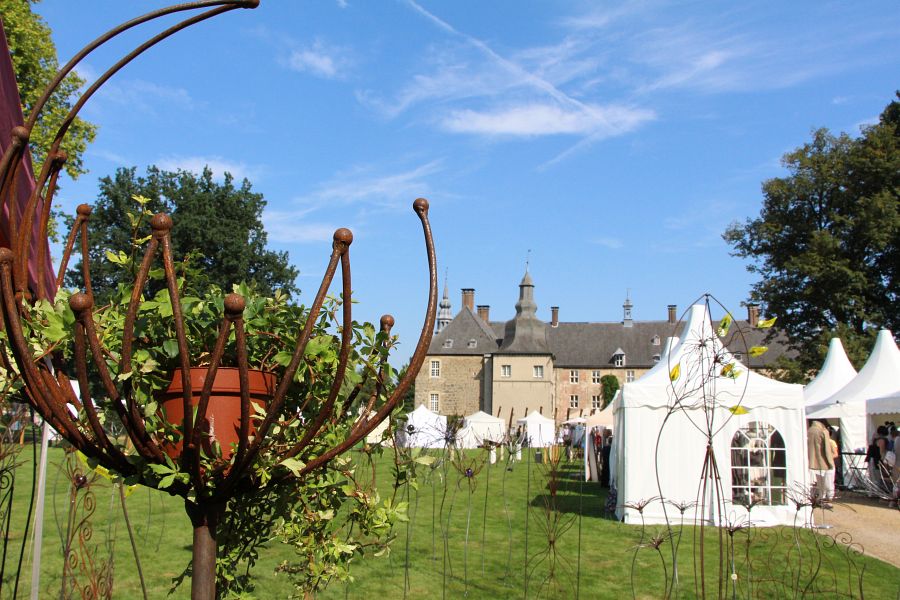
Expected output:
(50, 392)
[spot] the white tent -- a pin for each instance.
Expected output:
(423, 429)
(539, 430)
(879, 377)
(836, 372)
(478, 428)
(879, 410)
(757, 426)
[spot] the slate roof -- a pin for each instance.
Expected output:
(585, 345)
(465, 328)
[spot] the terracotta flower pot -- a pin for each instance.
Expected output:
(223, 413)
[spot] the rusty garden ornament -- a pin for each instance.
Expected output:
(50, 391)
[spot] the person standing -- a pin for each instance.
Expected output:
(821, 460)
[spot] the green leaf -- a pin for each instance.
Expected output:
(293, 465)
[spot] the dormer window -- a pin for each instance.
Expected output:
(655, 358)
(618, 358)
(655, 340)
(738, 356)
(448, 343)
(471, 343)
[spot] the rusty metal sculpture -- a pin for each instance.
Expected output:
(50, 392)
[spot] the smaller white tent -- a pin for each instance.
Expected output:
(423, 429)
(539, 431)
(879, 410)
(836, 372)
(479, 428)
(879, 377)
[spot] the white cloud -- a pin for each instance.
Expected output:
(147, 96)
(287, 227)
(342, 3)
(608, 242)
(360, 186)
(320, 60)
(217, 164)
(113, 157)
(548, 119)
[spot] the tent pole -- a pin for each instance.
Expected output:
(39, 513)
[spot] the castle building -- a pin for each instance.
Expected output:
(511, 368)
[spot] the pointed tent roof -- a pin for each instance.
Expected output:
(836, 372)
(691, 350)
(525, 333)
(880, 376)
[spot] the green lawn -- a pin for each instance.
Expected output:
(486, 551)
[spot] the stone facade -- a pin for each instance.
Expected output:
(458, 384)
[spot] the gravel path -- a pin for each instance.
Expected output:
(873, 525)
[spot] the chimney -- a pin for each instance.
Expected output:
(484, 311)
(468, 298)
(673, 313)
(554, 316)
(753, 314)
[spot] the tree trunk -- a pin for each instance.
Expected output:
(204, 518)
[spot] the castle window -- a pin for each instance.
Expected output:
(656, 358)
(629, 376)
(596, 403)
(505, 370)
(619, 360)
(435, 368)
(758, 465)
(448, 343)
(538, 372)
(595, 376)
(434, 402)
(573, 401)
(655, 340)
(738, 356)
(471, 344)
(573, 376)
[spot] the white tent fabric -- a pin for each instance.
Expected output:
(423, 429)
(539, 430)
(748, 403)
(880, 376)
(480, 427)
(879, 410)
(836, 372)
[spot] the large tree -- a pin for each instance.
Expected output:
(35, 63)
(826, 244)
(219, 223)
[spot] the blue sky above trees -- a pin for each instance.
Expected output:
(616, 143)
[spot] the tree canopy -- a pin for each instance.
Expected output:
(826, 244)
(34, 60)
(218, 224)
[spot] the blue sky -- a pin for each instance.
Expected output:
(615, 141)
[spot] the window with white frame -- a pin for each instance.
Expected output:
(435, 368)
(629, 376)
(505, 370)
(573, 401)
(596, 402)
(738, 356)
(538, 371)
(655, 340)
(448, 343)
(656, 358)
(471, 343)
(758, 466)
(434, 402)
(595, 376)
(573, 376)
(619, 360)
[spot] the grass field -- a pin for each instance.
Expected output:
(467, 537)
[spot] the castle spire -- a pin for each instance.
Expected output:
(626, 309)
(444, 314)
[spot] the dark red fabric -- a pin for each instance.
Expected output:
(11, 116)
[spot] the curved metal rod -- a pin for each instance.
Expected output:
(73, 112)
(83, 213)
(415, 363)
(344, 357)
(42, 258)
(342, 240)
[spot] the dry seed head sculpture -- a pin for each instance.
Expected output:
(50, 391)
